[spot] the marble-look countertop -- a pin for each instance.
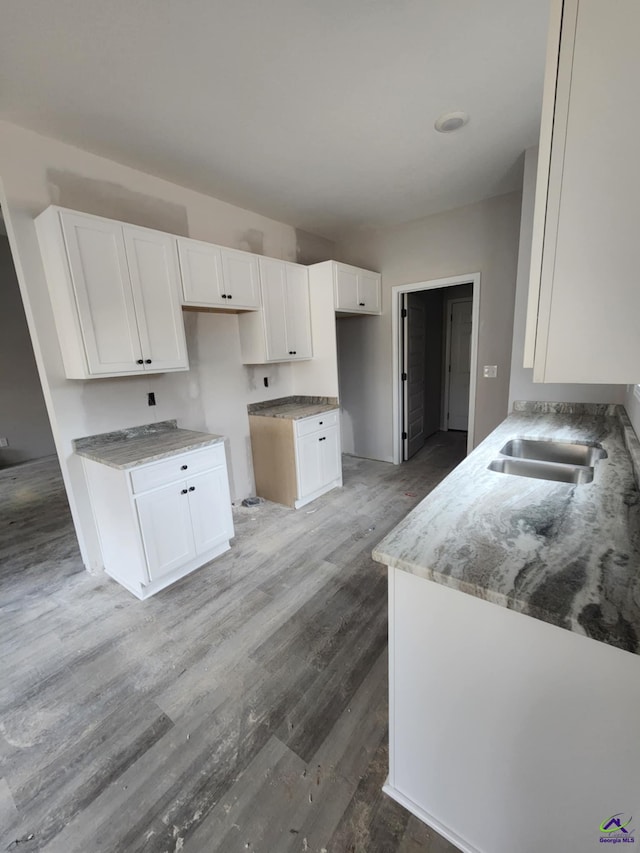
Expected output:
(129, 448)
(293, 408)
(568, 555)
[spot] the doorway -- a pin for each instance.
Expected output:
(435, 328)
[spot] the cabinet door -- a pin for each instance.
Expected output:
(201, 272)
(210, 504)
(346, 284)
(298, 312)
(241, 279)
(309, 463)
(369, 286)
(331, 457)
(155, 280)
(98, 267)
(589, 304)
(165, 525)
(273, 286)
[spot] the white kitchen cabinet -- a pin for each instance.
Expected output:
(241, 278)
(115, 294)
(318, 463)
(356, 290)
(158, 522)
(296, 461)
(281, 331)
(584, 302)
(217, 277)
(166, 529)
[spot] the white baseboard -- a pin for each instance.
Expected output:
(431, 821)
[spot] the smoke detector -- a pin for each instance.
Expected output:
(448, 122)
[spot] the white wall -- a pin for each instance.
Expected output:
(37, 171)
(521, 385)
(23, 416)
(481, 238)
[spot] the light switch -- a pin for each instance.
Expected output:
(490, 371)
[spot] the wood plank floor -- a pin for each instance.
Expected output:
(243, 709)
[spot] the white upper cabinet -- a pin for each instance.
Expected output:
(201, 269)
(217, 277)
(584, 301)
(101, 288)
(282, 330)
(155, 281)
(241, 278)
(356, 290)
(115, 294)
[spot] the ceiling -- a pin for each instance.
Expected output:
(316, 112)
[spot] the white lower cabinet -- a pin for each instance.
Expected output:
(296, 461)
(317, 462)
(160, 521)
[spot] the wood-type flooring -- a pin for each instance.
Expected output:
(242, 709)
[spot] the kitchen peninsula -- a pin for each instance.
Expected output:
(507, 730)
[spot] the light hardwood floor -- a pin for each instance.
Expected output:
(242, 709)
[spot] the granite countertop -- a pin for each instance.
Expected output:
(293, 408)
(129, 448)
(568, 555)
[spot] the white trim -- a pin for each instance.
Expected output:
(431, 821)
(471, 278)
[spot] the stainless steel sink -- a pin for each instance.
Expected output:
(541, 470)
(549, 450)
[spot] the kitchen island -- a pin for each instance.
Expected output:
(512, 733)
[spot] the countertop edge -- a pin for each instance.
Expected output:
(93, 454)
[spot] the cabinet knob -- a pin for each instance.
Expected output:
(140, 361)
(183, 492)
(320, 422)
(192, 488)
(230, 296)
(147, 361)
(183, 467)
(295, 352)
(324, 438)
(224, 295)
(361, 304)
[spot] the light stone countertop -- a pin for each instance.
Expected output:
(129, 448)
(293, 408)
(568, 555)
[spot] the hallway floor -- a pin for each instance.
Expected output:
(242, 709)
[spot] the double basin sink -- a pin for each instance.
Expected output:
(547, 459)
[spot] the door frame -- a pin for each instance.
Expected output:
(396, 299)
(447, 357)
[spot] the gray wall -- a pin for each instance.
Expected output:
(480, 237)
(521, 385)
(23, 417)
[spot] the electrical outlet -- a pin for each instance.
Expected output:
(4, 442)
(151, 398)
(490, 371)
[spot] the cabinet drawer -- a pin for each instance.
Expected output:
(307, 425)
(179, 467)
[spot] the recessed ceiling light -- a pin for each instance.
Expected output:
(448, 122)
